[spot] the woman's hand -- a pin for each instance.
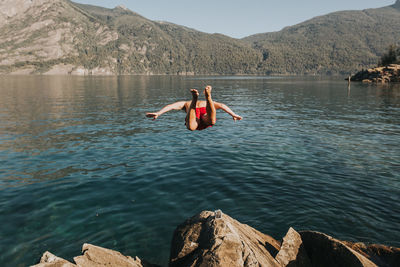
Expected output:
(152, 115)
(236, 117)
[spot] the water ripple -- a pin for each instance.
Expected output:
(81, 163)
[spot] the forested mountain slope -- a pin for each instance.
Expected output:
(63, 37)
(339, 42)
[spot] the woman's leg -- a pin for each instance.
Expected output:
(211, 117)
(191, 119)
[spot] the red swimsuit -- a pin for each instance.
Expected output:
(200, 112)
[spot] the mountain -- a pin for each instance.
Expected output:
(41, 34)
(339, 42)
(60, 37)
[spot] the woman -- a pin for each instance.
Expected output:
(199, 114)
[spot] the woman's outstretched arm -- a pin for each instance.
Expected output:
(227, 110)
(174, 106)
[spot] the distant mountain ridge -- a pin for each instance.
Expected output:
(63, 37)
(339, 42)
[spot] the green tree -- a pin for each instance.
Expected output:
(391, 56)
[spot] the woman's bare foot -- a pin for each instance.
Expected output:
(207, 91)
(195, 93)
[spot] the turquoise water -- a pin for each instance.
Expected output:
(79, 162)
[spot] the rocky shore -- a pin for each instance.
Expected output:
(390, 73)
(215, 239)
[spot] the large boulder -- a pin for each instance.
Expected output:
(215, 239)
(324, 250)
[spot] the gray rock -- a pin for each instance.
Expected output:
(204, 240)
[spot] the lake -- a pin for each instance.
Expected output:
(80, 162)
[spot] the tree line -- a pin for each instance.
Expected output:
(392, 56)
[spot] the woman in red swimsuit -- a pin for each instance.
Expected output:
(199, 114)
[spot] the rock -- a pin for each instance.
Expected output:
(12, 8)
(389, 73)
(292, 252)
(215, 239)
(80, 71)
(101, 71)
(60, 69)
(24, 71)
(204, 240)
(324, 250)
(98, 256)
(93, 256)
(379, 254)
(50, 260)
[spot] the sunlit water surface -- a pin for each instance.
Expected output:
(80, 163)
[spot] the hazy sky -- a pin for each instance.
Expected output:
(237, 18)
